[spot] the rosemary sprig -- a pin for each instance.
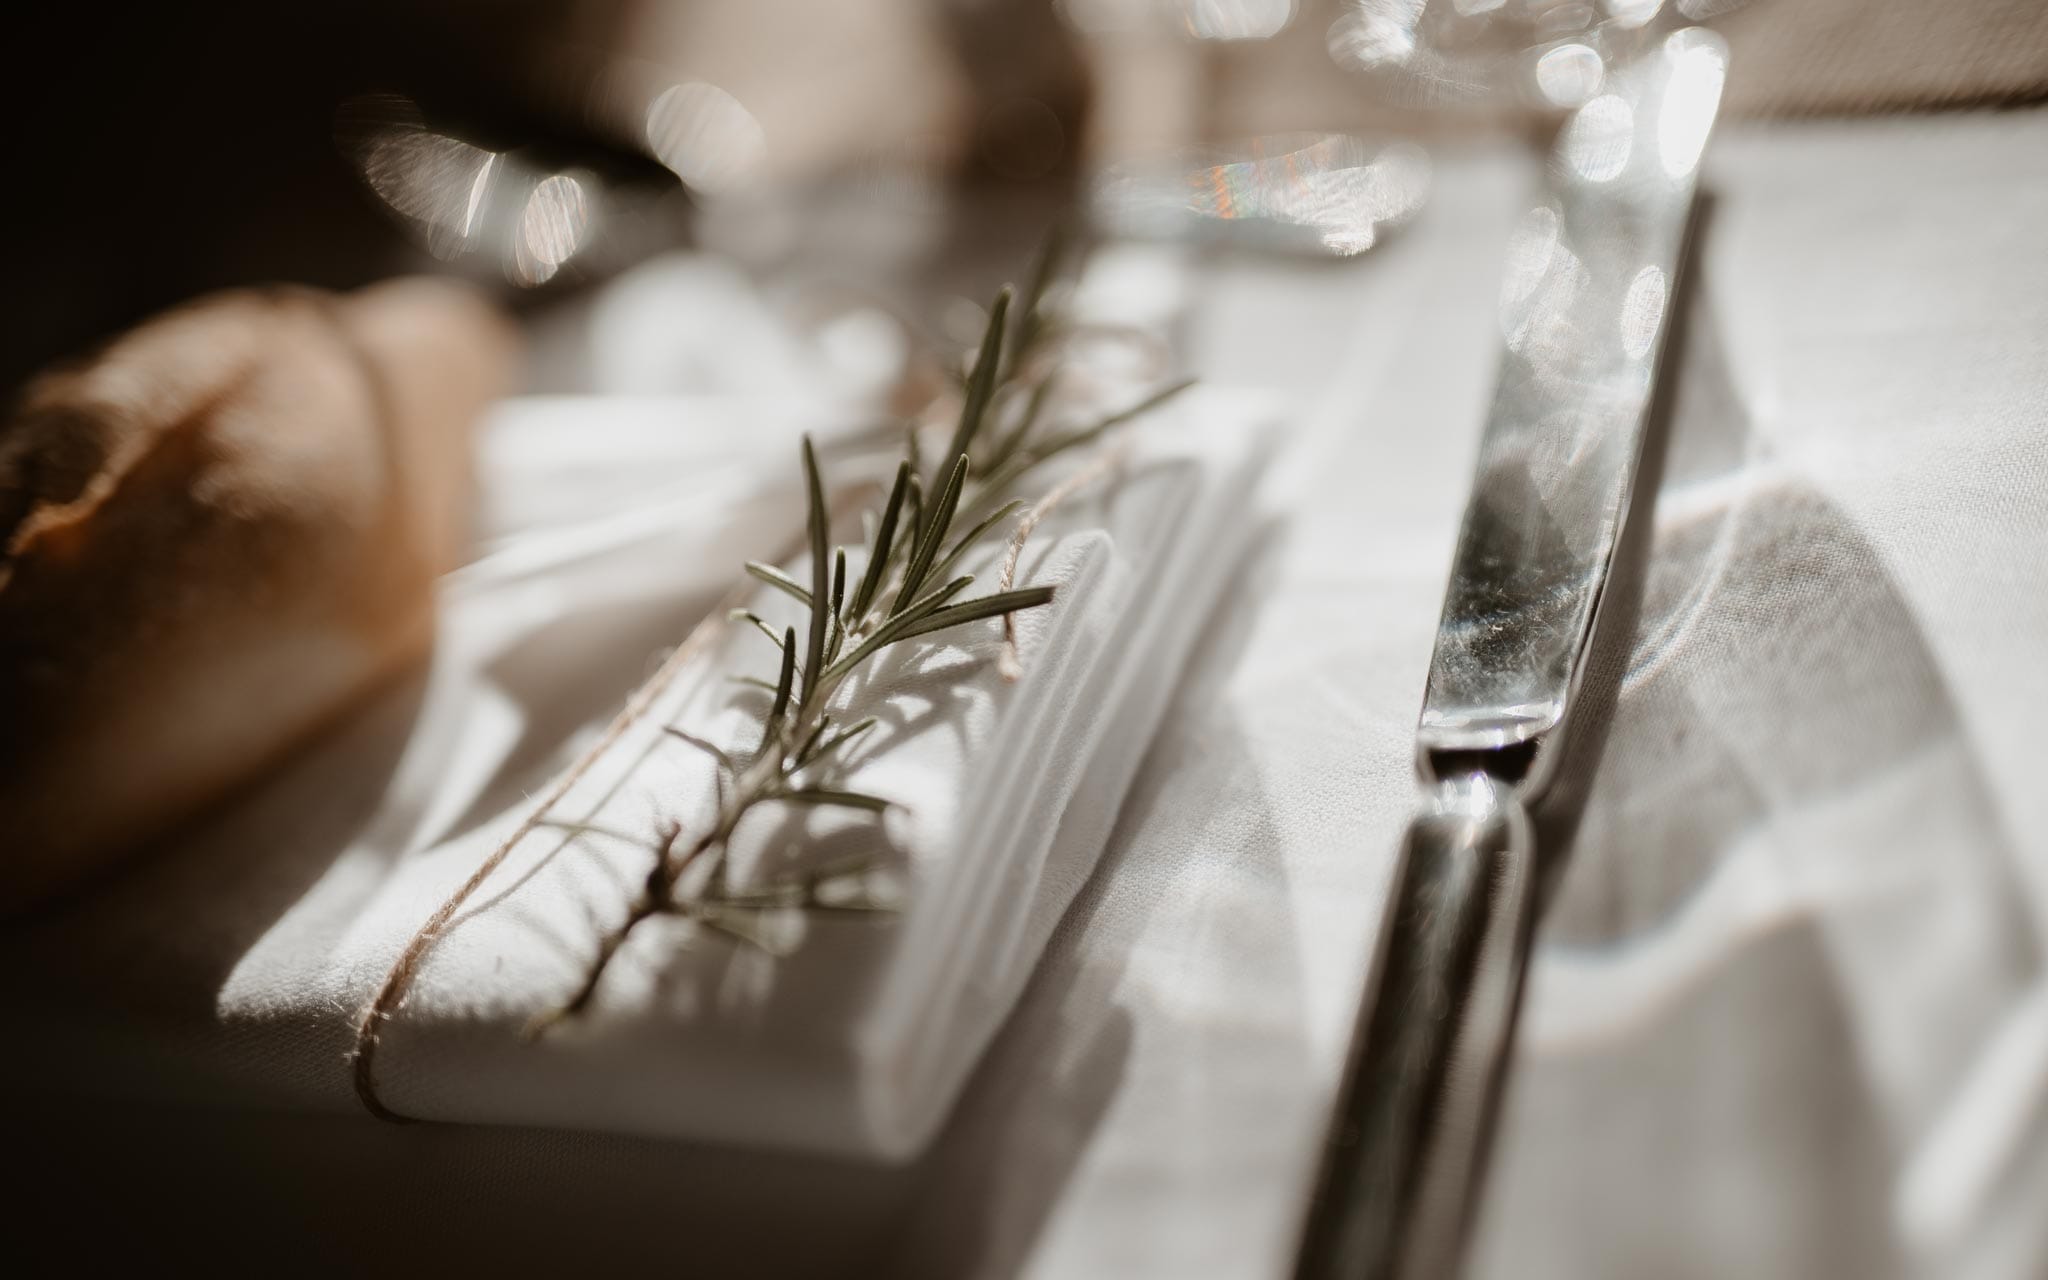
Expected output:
(799, 754)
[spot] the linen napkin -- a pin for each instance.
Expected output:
(858, 1038)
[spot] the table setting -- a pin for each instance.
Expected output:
(1442, 688)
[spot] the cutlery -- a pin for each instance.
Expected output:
(1584, 306)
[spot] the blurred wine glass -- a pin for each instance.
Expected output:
(1547, 55)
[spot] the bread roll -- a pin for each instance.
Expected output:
(215, 537)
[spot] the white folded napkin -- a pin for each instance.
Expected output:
(856, 1040)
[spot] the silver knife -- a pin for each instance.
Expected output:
(1591, 272)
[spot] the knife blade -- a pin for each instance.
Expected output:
(1584, 306)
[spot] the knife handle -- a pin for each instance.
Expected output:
(1433, 1028)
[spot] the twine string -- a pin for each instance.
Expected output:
(405, 970)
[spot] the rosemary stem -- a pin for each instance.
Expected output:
(606, 949)
(608, 946)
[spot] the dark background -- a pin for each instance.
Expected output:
(157, 152)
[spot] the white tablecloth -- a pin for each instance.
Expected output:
(1786, 1015)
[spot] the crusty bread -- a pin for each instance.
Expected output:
(215, 537)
